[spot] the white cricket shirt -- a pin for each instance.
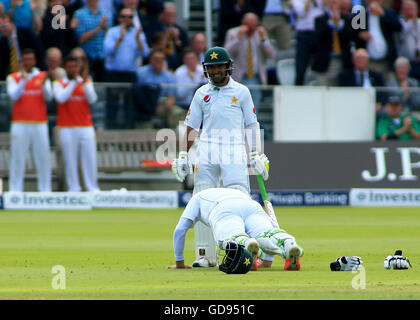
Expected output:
(224, 112)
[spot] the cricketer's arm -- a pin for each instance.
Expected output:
(188, 217)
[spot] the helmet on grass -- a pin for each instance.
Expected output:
(237, 259)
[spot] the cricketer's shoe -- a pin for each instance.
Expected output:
(252, 246)
(293, 253)
(255, 265)
(202, 262)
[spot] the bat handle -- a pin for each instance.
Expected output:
(262, 187)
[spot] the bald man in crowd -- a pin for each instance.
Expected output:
(249, 48)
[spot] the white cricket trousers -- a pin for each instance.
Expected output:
(75, 141)
(24, 136)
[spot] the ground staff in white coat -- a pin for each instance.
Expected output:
(29, 89)
(74, 121)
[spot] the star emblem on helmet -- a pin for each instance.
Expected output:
(213, 55)
(247, 262)
(234, 100)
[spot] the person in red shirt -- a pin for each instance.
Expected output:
(74, 94)
(29, 89)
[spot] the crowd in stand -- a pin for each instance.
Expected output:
(366, 43)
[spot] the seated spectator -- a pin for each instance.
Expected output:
(395, 125)
(249, 48)
(150, 11)
(189, 77)
(25, 13)
(63, 39)
(90, 25)
(408, 40)
(378, 37)
(125, 46)
(410, 98)
(199, 45)
(362, 76)
(159, 42)
(53, 62)
(154, 99)
(334, 33)
(13, 41)
(177, 37)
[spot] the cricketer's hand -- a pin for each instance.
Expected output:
(397, 261)
(346, 263)
(181, 167)
(260, 164)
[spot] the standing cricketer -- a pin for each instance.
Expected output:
(226, 112)
(74, 121)
(29, 89)
(234, 216)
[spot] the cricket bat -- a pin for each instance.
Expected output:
(267, 204)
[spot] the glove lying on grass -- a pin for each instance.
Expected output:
(346, 263)
(397, 261)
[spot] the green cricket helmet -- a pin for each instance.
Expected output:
(217, 56)
(237, 259)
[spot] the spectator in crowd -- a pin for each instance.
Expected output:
(53, 62)
(90, 25)
(306, 43)
(150, 11)
(72, 6)
(408, 40)
(362, 76)
(378, 37)
(29, 89)
(189, 77)
(80, 55)
(159, 42)
(199, 45)
(74, 94)
(124, 45)
(410, 98)
(13, 41)
(177, 37)
(152, 98)
(230, 16)
(25, 13)
(133, 5)
(249, 48)
(334, 33)
(276, 21)
(51, 36)
(396, 125)
(397, 5)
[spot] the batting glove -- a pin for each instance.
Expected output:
(181, 167)
(346, 263)
(397, 261)
(260, 164)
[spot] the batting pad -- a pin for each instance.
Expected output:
(205, 245)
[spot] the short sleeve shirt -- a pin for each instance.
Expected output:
(224, 112)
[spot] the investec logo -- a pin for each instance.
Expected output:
(46, 200)
(407, 165)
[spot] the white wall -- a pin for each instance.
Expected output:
(323, 114)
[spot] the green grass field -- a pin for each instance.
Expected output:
(124, 254)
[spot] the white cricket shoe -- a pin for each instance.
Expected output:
(202, 262)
